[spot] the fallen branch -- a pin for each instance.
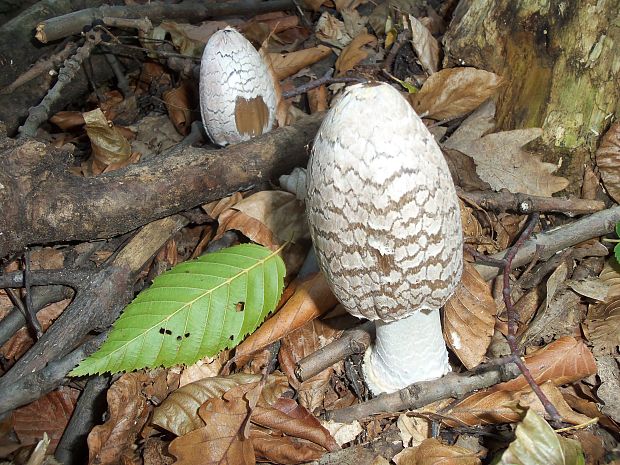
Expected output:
(417, 395)
(42, 202)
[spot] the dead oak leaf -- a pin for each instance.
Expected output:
(354, 53)
(287, 64)
(502, 162)
(602, 326)
(425, 45)
(434, 452)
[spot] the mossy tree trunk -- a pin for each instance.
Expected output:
(561, 59)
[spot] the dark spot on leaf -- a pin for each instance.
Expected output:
(179, 338)
(232, 337)
(168, 332)
(162, 330)
(186, 334)
(240, 306)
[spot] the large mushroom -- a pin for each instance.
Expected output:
(385, 222)
(238, 93)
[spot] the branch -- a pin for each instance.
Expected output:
(42, 202)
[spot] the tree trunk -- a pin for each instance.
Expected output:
(562, 63)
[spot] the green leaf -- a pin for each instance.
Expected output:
(617, 252)
(536, 443)
(196, 309)
(618, 229)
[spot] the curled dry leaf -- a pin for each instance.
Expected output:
(219, 442)
(190, 39)
(50, 414)
(179, 412)
(128, 411)
(425, 46)
(434, 452)
(469, 318)
(608, 161)
(454, 92)
(354, 53)
(179, 108)
(287, 64)
(332, 31)
(108, 144)
(611, 277)
(269, 218)
(413, 430)
(602, 326)
(290, 418)
(312, 298)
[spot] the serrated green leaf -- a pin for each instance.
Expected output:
(536, 443)
(196, 309)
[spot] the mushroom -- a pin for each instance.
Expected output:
(385, 223)
(238, 96)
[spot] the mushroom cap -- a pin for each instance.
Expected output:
(382, 207)
(238, 96)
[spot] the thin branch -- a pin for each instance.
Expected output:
(31, 316)
(325, 79)
(66, 276)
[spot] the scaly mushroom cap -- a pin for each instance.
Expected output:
(237, 92)
(382, 208)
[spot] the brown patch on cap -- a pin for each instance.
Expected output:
(251, 116)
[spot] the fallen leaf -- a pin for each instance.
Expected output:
(343, 433)
(434, 452)
(179, 412)
(317, 102)
(188, 39)
(221, 440)
(217, 207)
(501, 160)
(332, 31)
(611, 277)
(609, 374)
(283, 449)
(529, 399)
(269, 218)
(179, 108)
(287, 64)
(290, 418)
(469, 318)
(602, 326)
(312, 298)
(155, 134)
(454, 92)
(354, 53)
(413, 430)
(354, 23)
(128, 411)
(108, 144)
(50, 414)
(425, 46)
(47, 258)
(537, 443)
(608, 161)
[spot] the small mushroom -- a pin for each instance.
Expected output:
(385, 222)
(238, 96)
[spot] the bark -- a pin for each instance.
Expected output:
(562, 63)
(42, 202)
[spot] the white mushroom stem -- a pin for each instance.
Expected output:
(406, 351)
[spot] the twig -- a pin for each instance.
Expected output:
(40, 113)
(72, 23)
(512, 319)
(525, 204)
(354, 341)
(401, 38)
(423, 393)
(31, 316)
(66, 276)
(325, 79)
(595, 225)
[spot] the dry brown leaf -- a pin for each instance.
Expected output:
(108, 144)
(207, 367)
(317, 99)
(283, 449)
(189, 39)
(179, 412)
(609, 374)
(413, 430)
(354, 22)
(608, 161)
(219, 442)
(68, 120)
(454, 92)
(332, 31)
(354, 53)
(269, 218)
(178, 103)
(312, 298)
(290, 418)
(602, 326)
(300, 343)
(469, 318)
(47, 258)
(530, 400)
(217, 207)
(50, 414)
(611, 277)
(425, 46)
(128, 411)
(21, 341)
(501, 160)
(287, 64)
(434, 452)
